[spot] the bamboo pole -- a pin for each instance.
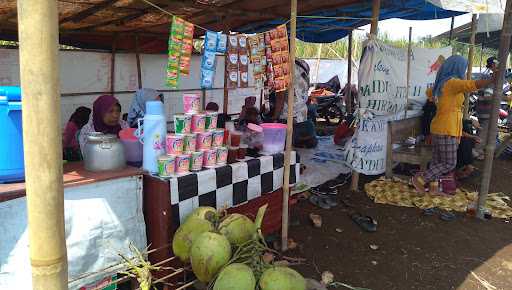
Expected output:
(113, 65)
(318, 55)
(409, 55)
(451, 31)
(137, 57)
(289, 129)
(470, 62)
(39, 75)
(348, 94)
(375, 17)
(506, 33)
(373, 30)
(226, 91)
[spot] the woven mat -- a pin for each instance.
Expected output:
(400, 193)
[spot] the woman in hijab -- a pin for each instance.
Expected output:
(138, 107)
(70, 146)
(106, 118)
(446, 127)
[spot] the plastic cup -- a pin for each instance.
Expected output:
(211, 120)
(242, 151)
(217, 137)
(174, 144)
(182, 163)
(232, 154)
(180, 123)
(196, 161)
(209, 158)
(235, 137)
(222, 155)
(191, 103)
(204, 140)
(189, 142)
(198, 123)
(166, 165)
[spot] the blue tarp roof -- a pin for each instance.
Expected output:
(324, 30)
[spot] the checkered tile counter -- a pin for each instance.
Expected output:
(230, 185)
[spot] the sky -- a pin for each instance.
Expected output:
(399, 29)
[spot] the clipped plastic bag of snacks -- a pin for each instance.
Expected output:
(210, 41)
(207, 79)
(222, 43)
(233, 79)
(208, 61)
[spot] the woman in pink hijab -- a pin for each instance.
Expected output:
(106, 118)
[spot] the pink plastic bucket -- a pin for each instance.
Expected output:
(274, 137)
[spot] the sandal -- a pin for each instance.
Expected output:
(330, 200)
(447, 216)
(430, 211)
(364, 222)
(319, 202)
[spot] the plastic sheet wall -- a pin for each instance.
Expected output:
(85, 71)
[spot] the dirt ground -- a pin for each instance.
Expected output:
(414, 251)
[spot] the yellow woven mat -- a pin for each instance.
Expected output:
(400, 193)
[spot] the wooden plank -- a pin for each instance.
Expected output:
(113, 65)
(348, 97)
(88, 12)
(137, 56)
(470, 62)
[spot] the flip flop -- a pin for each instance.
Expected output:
(447, 216)
(319, 202)
(335, 183)
(364, 222)
(330, 200)
(321, 190)
(430, 211)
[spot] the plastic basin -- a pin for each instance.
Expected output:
(274, 137)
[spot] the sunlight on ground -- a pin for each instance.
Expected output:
(493, 274)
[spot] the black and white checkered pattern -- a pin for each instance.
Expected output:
(230, 185)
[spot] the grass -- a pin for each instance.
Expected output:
(339, 49)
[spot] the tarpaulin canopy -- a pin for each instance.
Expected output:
(333, 24)
(93, 23)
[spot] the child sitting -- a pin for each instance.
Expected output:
(252, 138)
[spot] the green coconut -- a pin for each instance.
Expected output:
(187, 234)
(209, 253)
(204, 212)
(282, 278)
(235, 276)
(238, 228)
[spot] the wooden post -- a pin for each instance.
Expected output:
(289, 129)
(39, 75)
(113, 65)
(506, 33)
(348, 94)
(137, 56)
(226, 91)
(470, 63)
(451, 31)
(318, 55)
(373, 30)
(203, 98)
(481, 56)
(408, 85)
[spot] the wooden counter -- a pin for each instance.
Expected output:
(74, 175)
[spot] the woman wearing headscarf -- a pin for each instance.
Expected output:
(446, 127)
(106, 118)
(138, 106)
(70, 146)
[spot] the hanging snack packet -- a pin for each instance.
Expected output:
(232, 60)
(187, 47)
(233, 43)
(232, 79)
(207, 78)
(244, 79)
(210, 41)
(222, 43)
(242, 42)
(208, 61)
(174, 52)
(244, 62)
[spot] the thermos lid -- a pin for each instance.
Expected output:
(154, 108)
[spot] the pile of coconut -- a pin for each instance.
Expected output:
(227, 253)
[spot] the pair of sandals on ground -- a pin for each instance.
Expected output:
(324, 196)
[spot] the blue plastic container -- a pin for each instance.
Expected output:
(154, 131)
(11, 140)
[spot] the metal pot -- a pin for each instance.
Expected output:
(103, 152)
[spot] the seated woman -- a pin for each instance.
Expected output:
(70, 146)
(222, 118)
(252, 138)
(106, 118)
(138, 106)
